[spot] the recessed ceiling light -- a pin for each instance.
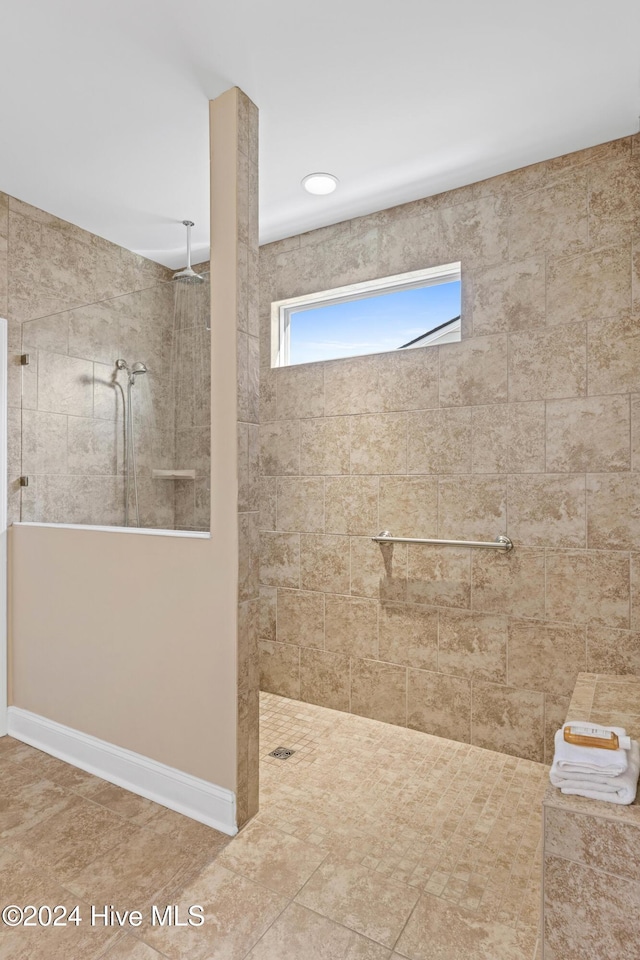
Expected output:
(320, 183)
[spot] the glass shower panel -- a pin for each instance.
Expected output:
(77, 449)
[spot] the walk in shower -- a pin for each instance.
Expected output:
(116, 409)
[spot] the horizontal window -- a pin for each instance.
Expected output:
(409, 310)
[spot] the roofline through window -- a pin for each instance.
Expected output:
(281, 310)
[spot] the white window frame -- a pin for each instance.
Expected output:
(281, 310)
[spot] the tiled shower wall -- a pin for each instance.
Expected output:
(47, 267)
(75, 303)
(530, 426)
(190, 369)
(73, 400)
(245, 254)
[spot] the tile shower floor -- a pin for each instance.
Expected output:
(373, 842)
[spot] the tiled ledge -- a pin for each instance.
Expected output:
(611, 700)
(591, 872)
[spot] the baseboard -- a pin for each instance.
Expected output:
(195, 798)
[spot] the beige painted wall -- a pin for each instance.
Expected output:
(530, 427)
(134, 638)
(121, 636)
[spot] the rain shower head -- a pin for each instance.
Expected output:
(188, 275)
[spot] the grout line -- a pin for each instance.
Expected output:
(421, 892)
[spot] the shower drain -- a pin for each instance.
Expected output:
(282, 753)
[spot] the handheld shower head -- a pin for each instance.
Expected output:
(133, 371)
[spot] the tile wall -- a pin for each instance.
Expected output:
(591, 846)
(75, 303)
(190, 370)
(245, 255)
(73, 402)
(530, 426)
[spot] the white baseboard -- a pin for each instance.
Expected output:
(203, 801)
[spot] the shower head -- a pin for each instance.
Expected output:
(133, 371)
(188, 275)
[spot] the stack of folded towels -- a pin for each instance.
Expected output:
(592, 772)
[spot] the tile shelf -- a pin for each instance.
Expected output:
(173, 474)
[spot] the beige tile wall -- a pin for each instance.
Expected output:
(591, 847)
(67, 296)
(528, 427)
(245, 252)
(73, 401)
(75, 303)
(190, 372)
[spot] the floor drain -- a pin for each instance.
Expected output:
(282, 753)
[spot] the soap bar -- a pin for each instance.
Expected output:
(587, 735)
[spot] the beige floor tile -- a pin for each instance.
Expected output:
(359, 898)
(72, 838)
(300, 934)
(448, 818)
(26, 804)
(60, 943)
(237, 913)
(131, 949)
(273, 858)
(20, 882)
(22, 763)
(27, 764)
(398, 815)
(126, 804)
(74, 779)
(200, 842)
(9, 745)
(135, 873)
(23, 884)
(438, 930)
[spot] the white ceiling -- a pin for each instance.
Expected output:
(103, 103)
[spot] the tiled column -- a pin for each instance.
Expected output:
(234, 273)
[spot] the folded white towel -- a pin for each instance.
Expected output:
(619, 789)
(570, 759)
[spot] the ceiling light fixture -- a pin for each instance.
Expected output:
(320, 184)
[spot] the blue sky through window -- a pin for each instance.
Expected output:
(371, 324)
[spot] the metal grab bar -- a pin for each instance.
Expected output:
(500, 543)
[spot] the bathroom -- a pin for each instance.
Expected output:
(418, 686)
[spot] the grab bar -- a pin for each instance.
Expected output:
(500, 543)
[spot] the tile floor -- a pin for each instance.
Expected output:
(372, 843)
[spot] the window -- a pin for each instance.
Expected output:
(395, 313)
